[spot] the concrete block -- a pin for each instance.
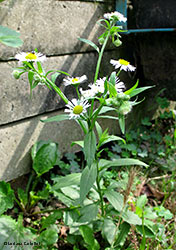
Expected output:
(52, 26)
(18, 138)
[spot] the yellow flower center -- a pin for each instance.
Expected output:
(75, 80)
(31, 56)
(78, 109)
(123, 62)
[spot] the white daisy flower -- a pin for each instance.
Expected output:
(119, 86)
(120, 17)
(74, 81)
(76, 108)
(88, 92)
(94, 89)
(30, 57)
(123, 65)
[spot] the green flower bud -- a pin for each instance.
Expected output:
(117, 43)
(125, 108)
(16, 74)
(101, 40)
(120, 96)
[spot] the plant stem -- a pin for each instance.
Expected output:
(99, 191)
(100, 57)
(77, 91)
(64, 98)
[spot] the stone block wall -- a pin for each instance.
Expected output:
(51, 26)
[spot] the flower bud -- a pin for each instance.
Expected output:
(117, 43)
(16, 74)
(101, 40)
(125, 108)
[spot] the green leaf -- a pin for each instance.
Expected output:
(88, 178)
(56, 118)
(124, 230)
(122, 123)
(148, 231)
(48, 237)
(54, 76)
(51, 219)
(87, 234)
(5, 31)
(108, 230)
(80, 143)
(106, 109)
(112, 79)
(11, 41)
(89, 43)
(112, 90)
(36, 147)
(112, 138)
(99, 129)
(65, 181)
(142, 201)
(115, 199)
(45, 158)
(108, 117)
(120, 162)
(131, 89)
(12, 231)
(59, 71)
(88, 213)
(23, 196)
(6, 197)
(30, 79)
(10, 37)
(139, 90)
(90, 147)
(131, 218)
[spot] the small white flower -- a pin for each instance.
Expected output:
(119, 86)
(74, 80)
(30, 57)
(120, 17)
(94, 89)
(123, 65)
(76, 108)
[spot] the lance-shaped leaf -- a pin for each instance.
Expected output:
(65, 181)
(104, 164)
(88, 178)
(90, 147)
(89, 43)
(57, 118)
(115, 199)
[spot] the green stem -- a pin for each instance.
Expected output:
(64, 98)
(96, 115)
(19, 204)
(117, 227)
(100, 192)
(100, 57)
(82, 126)
(29, 182)
(77, 91)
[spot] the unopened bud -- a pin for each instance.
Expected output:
(125, 108)
(101, 40)
(117, 43)
(16, 74)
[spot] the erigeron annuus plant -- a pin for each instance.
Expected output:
(110, 94)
